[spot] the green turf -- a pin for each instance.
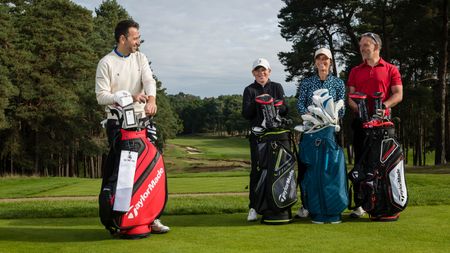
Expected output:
(416, 231)
(215, 153)
(12, 187)
(20, 187)
(428, 189)
(58, 208)
(216, 147)
(212, 223)
(424, 189)
(208, 184)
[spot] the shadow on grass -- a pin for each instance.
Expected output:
(27, 234)
(236, 220)
(70, 230)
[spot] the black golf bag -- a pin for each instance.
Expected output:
(378, 177)
(134, 187)
(276, 189)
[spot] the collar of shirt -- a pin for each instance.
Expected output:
(119, 54)
(317, 78)
(381, 62)
(262, 87)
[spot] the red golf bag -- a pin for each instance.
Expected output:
(134, 158)
(379, 174)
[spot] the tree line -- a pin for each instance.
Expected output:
(415, 38)
(49, 116)
(49, 49)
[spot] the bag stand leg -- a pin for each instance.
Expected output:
(277, 218)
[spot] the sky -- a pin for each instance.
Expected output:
(206, 48)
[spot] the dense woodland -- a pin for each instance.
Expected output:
(49, 49)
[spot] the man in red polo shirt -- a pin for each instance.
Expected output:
(373, 75)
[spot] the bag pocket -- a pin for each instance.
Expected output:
(368, 196)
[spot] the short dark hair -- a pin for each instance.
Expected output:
(122, 28)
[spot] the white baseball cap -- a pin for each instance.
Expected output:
(324, 51)
(261, 62)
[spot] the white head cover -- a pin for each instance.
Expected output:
(324, 112)
(123, 98)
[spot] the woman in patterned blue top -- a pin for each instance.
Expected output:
(321, 80)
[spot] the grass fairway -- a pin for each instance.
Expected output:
(416, 231)
(207, 153)
(61, 214)
(216, 147)
(26, 187)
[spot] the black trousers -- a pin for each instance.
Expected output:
(254, 173)
(358, 146)
(112, 133)
(358, 139)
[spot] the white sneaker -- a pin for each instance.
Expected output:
(302, 213)
(357, 212)
(252, 215)
(158, 228)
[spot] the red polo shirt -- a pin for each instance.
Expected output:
(368, 80)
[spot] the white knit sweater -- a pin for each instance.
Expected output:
(131, 73)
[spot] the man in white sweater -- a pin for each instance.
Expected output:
(125, 68)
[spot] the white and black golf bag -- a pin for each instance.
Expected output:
(379, 174)
(276, 191)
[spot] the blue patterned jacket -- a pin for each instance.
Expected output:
(308, 85)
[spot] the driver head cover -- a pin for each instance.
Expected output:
(123, 98)
(321, 92)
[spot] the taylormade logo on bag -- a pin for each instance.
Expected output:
(282, 196)
(144, 196)
(400, 186)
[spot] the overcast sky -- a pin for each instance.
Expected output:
(206, 48)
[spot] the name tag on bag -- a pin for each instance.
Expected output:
(125, 180)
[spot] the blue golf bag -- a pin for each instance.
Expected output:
(324, 183)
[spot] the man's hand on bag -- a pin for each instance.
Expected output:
(150, 108)
(141, 98)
